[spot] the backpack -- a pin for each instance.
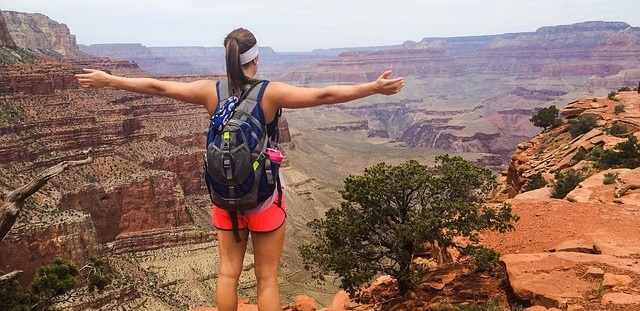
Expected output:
(238, 171)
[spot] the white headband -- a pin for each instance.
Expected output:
(249, 55)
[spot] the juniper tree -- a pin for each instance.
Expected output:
(390, 212)
(546, 118)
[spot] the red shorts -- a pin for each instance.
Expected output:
(264, 221)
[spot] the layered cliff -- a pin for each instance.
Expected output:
(500, 79)
(144, 191)
(5, 36)
(39, 33)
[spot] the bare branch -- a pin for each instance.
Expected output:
(14, 200)
(622, 190)
(4, 279)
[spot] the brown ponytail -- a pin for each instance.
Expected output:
(236, 43)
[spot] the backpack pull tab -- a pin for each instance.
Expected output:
(226, 164)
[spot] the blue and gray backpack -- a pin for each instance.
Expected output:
(238, 172)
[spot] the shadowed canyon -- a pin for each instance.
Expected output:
(142, 203)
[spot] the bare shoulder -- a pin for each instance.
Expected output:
(205, 85)
(204, 92)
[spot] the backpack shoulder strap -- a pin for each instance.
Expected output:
(255, 91)
(222, 90)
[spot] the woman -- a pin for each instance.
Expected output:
(266, 226)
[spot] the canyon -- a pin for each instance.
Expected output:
(143, 205)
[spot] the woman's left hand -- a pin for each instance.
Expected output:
(386, 86)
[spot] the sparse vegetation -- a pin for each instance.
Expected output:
(536, 181)
(624, 155)
(546, 118)
(616, 130)
(612, 95)
(97, 273)
(618, 109)
(624, 89)
(565, 182)
(50, 283)
(390, 212)
(598, 292)
(580, 155)
(582, 124)
(484, 259)
(491, 305)
(595, 100)
(610, 178)
(15, 56)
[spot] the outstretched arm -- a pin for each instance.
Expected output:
(199, 92)
(288, 96)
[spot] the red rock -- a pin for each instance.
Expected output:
(305, 303)
(620, 299)
(340, 302)
(611, 280)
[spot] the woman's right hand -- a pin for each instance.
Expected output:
(93, 78)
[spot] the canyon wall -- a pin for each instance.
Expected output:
(41, 34)
(500, 80)
(5, 35)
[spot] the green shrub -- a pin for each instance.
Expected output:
(580, 155)
(624, 89)
(99, 274)
(625, 154)
(595, 153)
(11, 296)
(484, 259)
(610, 178)
(582, 124)
(565, 182)
(535, 182)
(612, 95)
(595, 100)
(618, 109)
(617, 130)
(51, 282)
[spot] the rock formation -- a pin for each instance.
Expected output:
(5, 36)
(553, 151)
(41, 34)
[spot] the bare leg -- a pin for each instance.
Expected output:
(267, 249)
(231, 258)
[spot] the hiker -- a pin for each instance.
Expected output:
(267, 224)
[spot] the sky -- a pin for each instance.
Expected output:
(304, 25)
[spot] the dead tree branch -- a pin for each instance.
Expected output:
(4, 279)
(14, 200)
(622, 189)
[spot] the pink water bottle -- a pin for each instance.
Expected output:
(274, 155)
